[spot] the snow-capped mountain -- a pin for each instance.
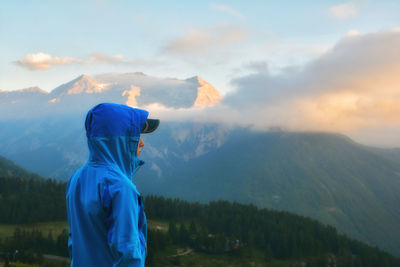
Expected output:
(134, 89)
(169, 92)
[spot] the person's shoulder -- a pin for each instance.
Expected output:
(112, 176)
(73, 180)
(119, 182)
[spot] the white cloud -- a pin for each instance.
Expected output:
(345, 10)
(43, 61)
(98, 57)
(226, 9)
(201, 41)
(132, 93)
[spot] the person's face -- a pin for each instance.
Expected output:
(140, 145)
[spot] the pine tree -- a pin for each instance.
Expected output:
(172, 232)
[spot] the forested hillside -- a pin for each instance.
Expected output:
(9, 168)
(237, 232)
(31, 200)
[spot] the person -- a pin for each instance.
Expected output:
(106, 219)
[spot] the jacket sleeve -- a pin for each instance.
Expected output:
(123, 233)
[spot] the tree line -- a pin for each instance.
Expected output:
(238, 229)
(32, 200)
(219, 227)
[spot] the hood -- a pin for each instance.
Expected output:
(113, 133)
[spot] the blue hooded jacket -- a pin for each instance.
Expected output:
(107, 224)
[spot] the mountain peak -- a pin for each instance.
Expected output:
(207, 95)
(82, 84)
(193, 79)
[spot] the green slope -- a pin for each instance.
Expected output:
(324, 176)
(9, 168)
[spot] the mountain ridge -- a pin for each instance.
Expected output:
(81, 84)
(8, 168)
(81, 93)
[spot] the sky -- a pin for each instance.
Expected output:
(301, 65)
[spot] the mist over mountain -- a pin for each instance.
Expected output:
(325, 176)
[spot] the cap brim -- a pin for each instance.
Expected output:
(150, 126)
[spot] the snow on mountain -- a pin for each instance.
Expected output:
(207, 95)
(135, 89)
(82, 84)
(169, 92)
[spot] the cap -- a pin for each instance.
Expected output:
(150, 126)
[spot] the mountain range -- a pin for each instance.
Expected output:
(325, 176)
(134, 89)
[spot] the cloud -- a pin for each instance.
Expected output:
(201, 41)
(226, 9)
(345, 10)
(132, 93)
(215, 114)
(351, 88)
(43, 61)
(98, 57)
(256, 66)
